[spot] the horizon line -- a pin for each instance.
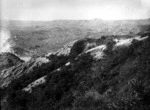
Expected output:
(74, 19)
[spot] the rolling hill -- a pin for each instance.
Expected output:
(40, 37)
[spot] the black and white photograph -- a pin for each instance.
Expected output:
(75, 54)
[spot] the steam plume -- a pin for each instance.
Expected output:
(4, 44)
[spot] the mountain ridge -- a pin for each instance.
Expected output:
(104, 73)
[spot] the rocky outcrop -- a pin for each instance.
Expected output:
(10, 74)
(8, 60)
(65, 50)
(34, 84)
(81, 46)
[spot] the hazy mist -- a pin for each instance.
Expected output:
(77, 9)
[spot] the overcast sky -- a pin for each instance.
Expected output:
(74, 9)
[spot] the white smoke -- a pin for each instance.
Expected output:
(5, 46)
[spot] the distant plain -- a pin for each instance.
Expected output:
(36, 38)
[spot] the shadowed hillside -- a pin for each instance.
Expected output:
(104, 73)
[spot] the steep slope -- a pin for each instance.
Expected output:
(108, 73)
(7, 75)
(51, 60)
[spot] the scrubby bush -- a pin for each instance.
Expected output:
(120, 81)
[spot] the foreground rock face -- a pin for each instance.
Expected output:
(108, 73)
